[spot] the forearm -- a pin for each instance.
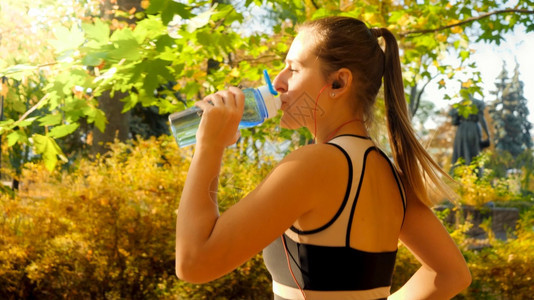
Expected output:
(427, 284)
(198, 209)
(444, 272)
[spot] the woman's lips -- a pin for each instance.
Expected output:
(283, 104)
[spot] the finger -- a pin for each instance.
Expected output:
(228, 97)
(204, 105)
(239, 96)
(216, 99)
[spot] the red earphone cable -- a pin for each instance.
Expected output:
(315, 119)
(315, 112)
(290, 269)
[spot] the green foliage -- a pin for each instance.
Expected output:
(197, 48)
(171, 46)
(509, 114)
(505, 270)
(488, 180)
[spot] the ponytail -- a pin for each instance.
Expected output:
(417, 167)
(344, 42)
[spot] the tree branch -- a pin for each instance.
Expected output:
(314, 4)
(469, 20)
(29, 111)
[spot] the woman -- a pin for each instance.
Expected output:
(329, 215)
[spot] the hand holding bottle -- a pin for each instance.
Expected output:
(259, 105)
(221, 114)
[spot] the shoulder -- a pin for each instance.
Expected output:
(317, 157)
(378, 158)
(302, 180)
(311, 170)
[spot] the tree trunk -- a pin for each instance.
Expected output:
(118, 126)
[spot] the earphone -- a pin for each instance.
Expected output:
(336, 85)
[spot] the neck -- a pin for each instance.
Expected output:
(353, 126)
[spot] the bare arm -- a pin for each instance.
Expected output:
(209, 244)
(444, 272)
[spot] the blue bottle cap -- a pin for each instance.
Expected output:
(269, 83)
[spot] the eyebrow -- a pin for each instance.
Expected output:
(292, 61)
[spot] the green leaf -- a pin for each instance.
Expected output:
(159, 67)
(129, 102)
(201, 19)
(19, 106)
(150, 83)
(47, 147)
(150, 27)
(164, 42)
(227, 13)
(99, 31)
(156, 6)
(464, 55)
(63, 130)
(126, 45)
(93, 58)
(17, 71)
(67, 39)
(168, 9)
(206, 39)
(26, 122)
(50, 120)
(6, 125)
(100, 120)
(13, 138)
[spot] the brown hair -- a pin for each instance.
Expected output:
(344, 42)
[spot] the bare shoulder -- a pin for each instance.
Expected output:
(314, 160)
(313, 179)
(306, 174)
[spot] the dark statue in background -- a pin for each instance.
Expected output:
(469, 142)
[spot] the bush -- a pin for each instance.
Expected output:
(505, 270)
(104, 229)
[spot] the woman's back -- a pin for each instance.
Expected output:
(352, 253)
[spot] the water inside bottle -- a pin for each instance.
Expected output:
(184, 126)
(253, 113)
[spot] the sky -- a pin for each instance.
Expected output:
(517, 46)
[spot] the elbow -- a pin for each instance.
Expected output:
(465, 279)
(187, 272)
(462, 277)
(192, 270)
(457, 281)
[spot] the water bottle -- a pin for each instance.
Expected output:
(260, 105)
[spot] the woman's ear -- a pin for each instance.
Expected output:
(341, 82)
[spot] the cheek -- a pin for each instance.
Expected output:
(298, 110)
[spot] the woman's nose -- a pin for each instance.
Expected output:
(280, 82)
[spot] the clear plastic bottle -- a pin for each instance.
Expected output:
(260, 104)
